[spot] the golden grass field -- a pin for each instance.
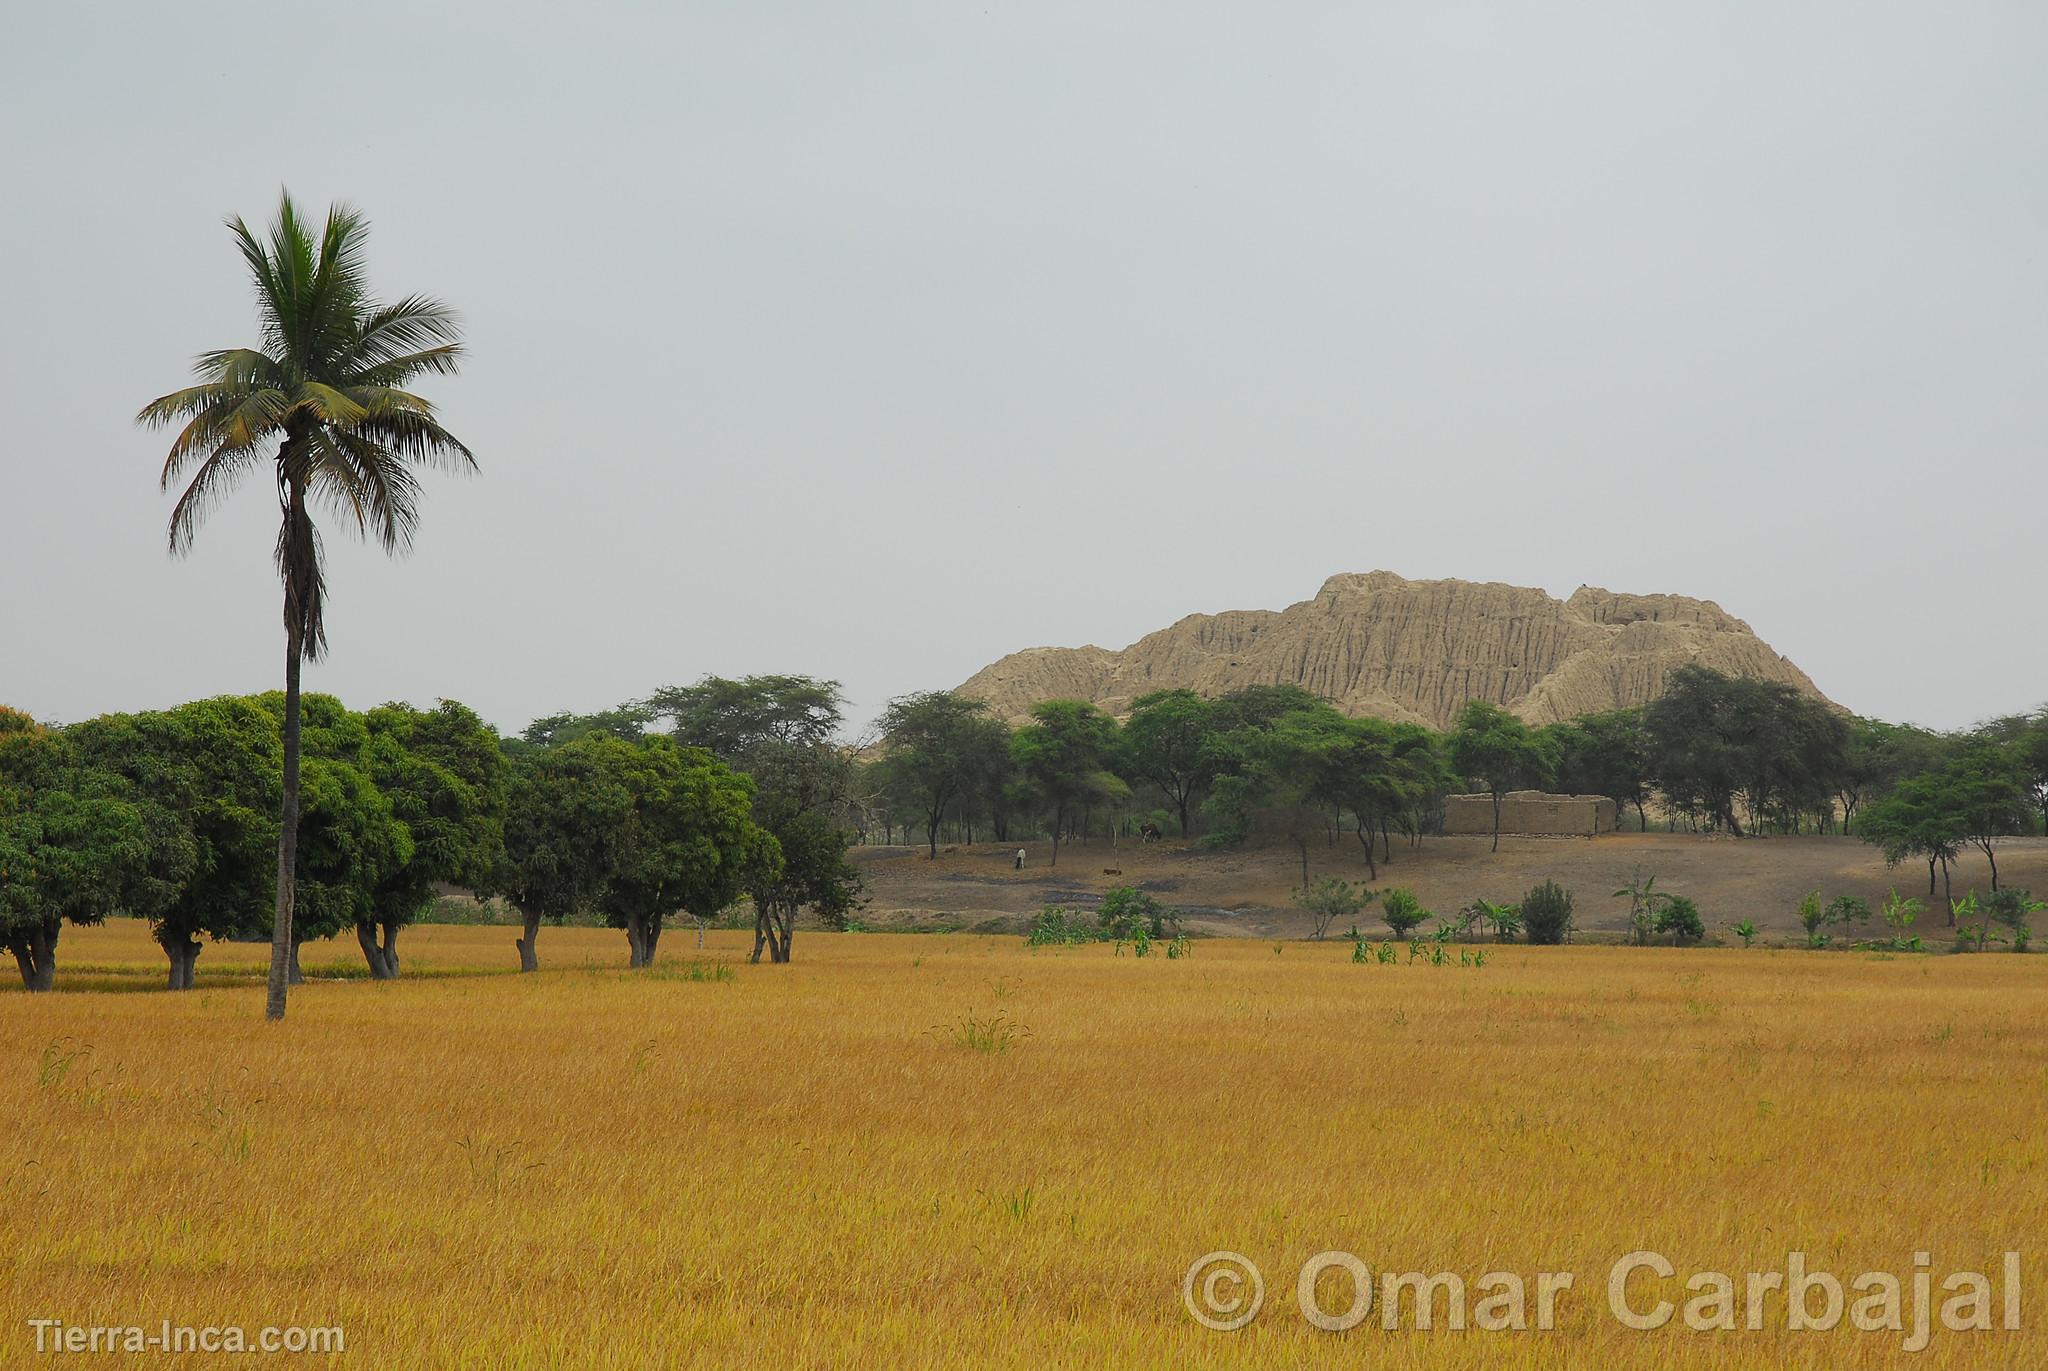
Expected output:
(801, 1165)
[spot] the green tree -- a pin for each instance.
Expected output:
(1064, 753)
(1402, 911)
(564, 808)
(1547, 913)
(1680, 917)
(1985, 787)
(1606, 754)
(1919, 818)
(1330, 899)
(72, 848)
(1717, 739)
(628, 722)
(443, 774)
(323, 397)
(1167, 742)
(1493, 747)
(781, 731)
(689, 843)
(933, 745)
(205, 778)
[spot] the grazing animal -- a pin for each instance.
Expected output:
(1112, 871)
(1149, 832)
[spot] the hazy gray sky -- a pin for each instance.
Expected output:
(877, 340)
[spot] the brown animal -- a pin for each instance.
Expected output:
(1149, 832)
(1112, 871)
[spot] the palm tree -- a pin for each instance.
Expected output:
(326, 388)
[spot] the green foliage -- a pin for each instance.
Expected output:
(1053, 926)
(1064, 755)
(937, 747)
(1493, 747)
(1813, 918)
(688, 841)
(1845, 910)
(1402, 912)
(1680, 917)
(1504, 919)
(2013, 910)
(327, 390)
(1641, 893)
(1547, 914)
(1605, 754)
(1331, 899)
(1715, 740)
(1167, 743)
(1127, 912)
(1900, 915)
(1747, 931)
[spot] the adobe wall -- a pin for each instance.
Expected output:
(1531, 812)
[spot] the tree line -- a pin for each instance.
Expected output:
(1714, 753)
(173, 816)
(699, 797)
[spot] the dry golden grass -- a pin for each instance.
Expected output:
(800, 1165)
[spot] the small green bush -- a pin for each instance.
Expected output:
(1680, 917)
(1127, 911)
(1402, 911)
(1547, 914)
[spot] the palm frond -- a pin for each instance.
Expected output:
(232, 420)
(326, 404)
(415, 324)
(216, 476)
(406, 424)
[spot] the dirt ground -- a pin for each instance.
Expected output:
(1245, 892)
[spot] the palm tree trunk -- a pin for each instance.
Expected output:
(288, 826)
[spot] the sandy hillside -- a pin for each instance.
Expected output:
(1381, 645)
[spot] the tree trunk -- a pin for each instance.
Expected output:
(1948, 891)
(1496, 821)
(1365, 841)
(635, 942)
(760, 931)
(288, 812)
(931, 832)
(297, 977)
(183, 950)
(35, 950)
(1991, 857)
(650, 936)
(529, 959)
(383, 959)
(1301, 846)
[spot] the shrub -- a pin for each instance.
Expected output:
(1331, 899)
(1127, 911)
(1680, 917)
(1505, 919)
(1402, 911)
(1547, 914)
(1746, 930)
(1848, 909)
(1055, 927)
(2012, 908)
(1813, 919)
